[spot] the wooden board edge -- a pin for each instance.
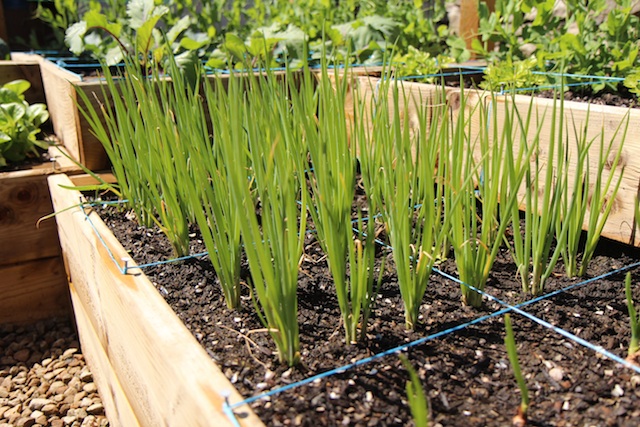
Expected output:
(117, 407)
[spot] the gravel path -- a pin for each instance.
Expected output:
(44, 380)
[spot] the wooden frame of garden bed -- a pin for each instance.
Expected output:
(33, 284)
(149, 369)
(602, 119)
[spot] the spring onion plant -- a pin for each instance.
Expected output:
(510, 343)
(137, 129)
(411, 189)
(544, 184)
(416, 396)
(273, 228)
(332, 181)
(634, 344)
(587, 203)
(476, 238)
(203, 174)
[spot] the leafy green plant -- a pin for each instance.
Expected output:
(19, 123)
(634, 343)
(419, 65)
(416, 396)
(136, 36)
(508, 75)
(593, 38)
(520, 419)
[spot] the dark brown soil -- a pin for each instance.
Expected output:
(466, 374)
(622, 99)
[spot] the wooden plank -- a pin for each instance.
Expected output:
(117, 407)
(86, 179)
(61, 102)
(148, 347)
(469, 21)
(33, 290)
(24, 199)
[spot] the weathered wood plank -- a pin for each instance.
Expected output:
(167, 376)
(33, 290)
(116, 404)
(24, 199)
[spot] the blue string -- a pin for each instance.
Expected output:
(587, 344)
(95, 230)
(168, 261)
(508, 308)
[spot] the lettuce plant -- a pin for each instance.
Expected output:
(19, 123)
(137, 35)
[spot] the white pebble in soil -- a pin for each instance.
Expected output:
(44, 380)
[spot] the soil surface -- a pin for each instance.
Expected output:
(466, 374)
(622, 99)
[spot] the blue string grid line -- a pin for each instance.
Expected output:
(228, 408)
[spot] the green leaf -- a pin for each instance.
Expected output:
(144, 35)
(139, 12)
(234, 45)
(178, 28)
(18, 86)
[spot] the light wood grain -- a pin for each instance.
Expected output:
(33, 290)
(166, 375)
(24, 199)
(115, 401)
(61, 102)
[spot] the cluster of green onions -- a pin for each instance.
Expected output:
(254, 160)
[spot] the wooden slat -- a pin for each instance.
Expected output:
(167, 376)
(33, 290)
(117, 407)
(24, 199)
(469, 21)
(61, 102)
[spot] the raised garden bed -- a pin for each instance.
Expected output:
(33, 281)
(466, 373)
(112, 316)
